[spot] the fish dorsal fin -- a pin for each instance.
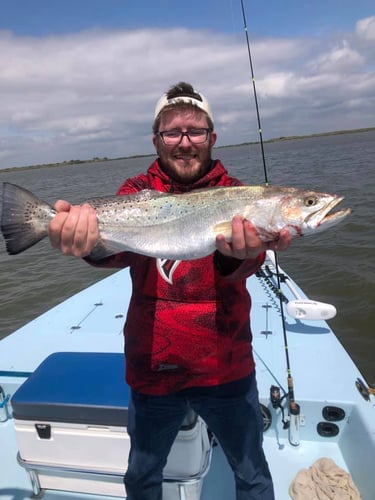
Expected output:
(147, 194)
(139, 196)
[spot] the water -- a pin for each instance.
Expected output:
(336, 266)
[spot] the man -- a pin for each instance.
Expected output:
(187, 333)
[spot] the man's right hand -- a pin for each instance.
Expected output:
(74, 230)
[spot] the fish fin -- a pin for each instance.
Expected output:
(224, 228)
(101, 251)
(24, 218)
(146, 194)
(143, 195)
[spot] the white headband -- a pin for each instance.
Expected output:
(164, 101)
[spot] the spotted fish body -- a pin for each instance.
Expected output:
(174, 226)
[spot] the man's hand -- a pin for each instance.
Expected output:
(246, 243)
(74, 230)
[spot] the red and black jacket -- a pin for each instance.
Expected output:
(188, 322)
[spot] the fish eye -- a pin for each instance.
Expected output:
(310, 201)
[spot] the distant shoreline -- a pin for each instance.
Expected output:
(105, 159)
(307, 136)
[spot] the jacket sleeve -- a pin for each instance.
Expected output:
(232, 269)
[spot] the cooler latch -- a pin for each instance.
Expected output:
(43, 430)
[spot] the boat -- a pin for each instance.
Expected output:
(63, 400)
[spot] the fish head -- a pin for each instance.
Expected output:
(306, 212)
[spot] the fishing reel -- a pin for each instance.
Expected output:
(275, 396)
(276, 401)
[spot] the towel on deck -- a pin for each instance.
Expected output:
(323, 480)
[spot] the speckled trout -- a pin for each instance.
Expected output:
(175, 226)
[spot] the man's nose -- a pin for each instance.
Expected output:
(185, 141)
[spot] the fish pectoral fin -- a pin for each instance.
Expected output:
(224, 228)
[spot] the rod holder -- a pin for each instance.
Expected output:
(294, 423)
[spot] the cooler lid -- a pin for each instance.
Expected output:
(75, 387)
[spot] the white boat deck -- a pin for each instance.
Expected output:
(323, 375)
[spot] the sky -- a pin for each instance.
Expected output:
(80, 79)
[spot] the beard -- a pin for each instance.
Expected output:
(186, 167)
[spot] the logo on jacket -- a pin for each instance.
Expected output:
(166, 268)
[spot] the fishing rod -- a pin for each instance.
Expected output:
(255, 94)
(294, 409)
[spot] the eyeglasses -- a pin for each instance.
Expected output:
(195, 136)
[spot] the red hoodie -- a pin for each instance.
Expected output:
(188, 322)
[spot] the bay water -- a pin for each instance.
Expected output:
(336, 266)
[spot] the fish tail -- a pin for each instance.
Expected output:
(24, 218)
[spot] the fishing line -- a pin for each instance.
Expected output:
(293, 406)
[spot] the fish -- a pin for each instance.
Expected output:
(175, 226)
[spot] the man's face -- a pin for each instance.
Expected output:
(184, 162)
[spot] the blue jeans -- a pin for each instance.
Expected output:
(231, 412)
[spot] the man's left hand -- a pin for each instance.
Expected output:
(246, 243)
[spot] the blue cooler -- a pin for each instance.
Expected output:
(71, 417)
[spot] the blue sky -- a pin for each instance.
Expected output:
(272, 17)
(80, 79)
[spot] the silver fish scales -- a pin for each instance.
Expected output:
(175, 226)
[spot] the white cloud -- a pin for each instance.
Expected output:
(365, 28)
(277, 84)
(93, 93)
(339, 59)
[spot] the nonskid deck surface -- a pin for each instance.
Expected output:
(323, 375)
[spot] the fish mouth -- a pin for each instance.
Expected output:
(327, 216)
